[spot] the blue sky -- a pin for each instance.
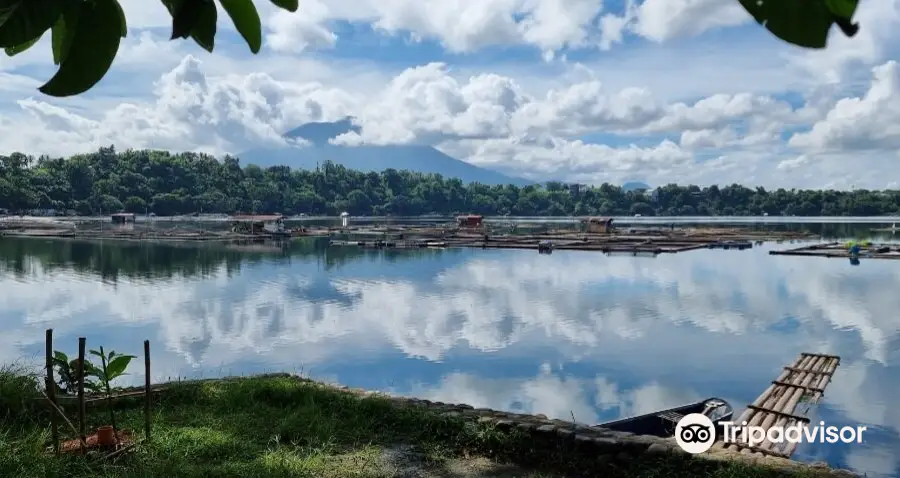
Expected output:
(581, 90)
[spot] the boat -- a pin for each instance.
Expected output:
(662, 423)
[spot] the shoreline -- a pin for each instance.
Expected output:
(350, 422)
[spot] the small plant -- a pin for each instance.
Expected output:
(67, 373)
(112, 367)
(96, 379)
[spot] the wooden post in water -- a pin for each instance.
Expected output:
(147, 390)
(51, 391)
(82, 345)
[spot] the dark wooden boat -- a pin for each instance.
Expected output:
(662, 423)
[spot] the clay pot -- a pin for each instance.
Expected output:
(105, 436)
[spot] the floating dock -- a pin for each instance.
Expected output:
(546, 243)
(842, 251)
(787, 402)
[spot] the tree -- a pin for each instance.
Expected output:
(183, 183)
(86, 33)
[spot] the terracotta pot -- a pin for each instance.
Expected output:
(105, 436)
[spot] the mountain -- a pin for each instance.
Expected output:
(424, 159)
(635, 186)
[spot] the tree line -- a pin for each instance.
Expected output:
(145, 181)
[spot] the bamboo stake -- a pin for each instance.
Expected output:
(82, 344)
(147, 390)
(66, 419)
(51, 390)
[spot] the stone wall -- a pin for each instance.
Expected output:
(593, 441)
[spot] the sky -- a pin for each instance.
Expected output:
(589, 91)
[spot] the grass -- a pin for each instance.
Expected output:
(285, 427)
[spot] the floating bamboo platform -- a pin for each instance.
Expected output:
(543, 242)
(786, 402)
(840, 250)
(139, 235)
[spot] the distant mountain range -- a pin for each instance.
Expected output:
(424, 159)
(635, 186)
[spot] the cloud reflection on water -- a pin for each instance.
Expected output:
(571, 333)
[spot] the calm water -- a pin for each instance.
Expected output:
(572, 333)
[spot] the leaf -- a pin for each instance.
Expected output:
(289, 5)
(204, 31)
(92, 370)
(7, 7)
(63, 32)
(94, 352)
(116, 367)
(94, 47)
(185, 16)
(123, 20)
(29, 21)
(15, 50)
(246, 20)
(800, 22)
(842, 8)
(60, 356)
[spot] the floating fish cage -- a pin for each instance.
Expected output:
(852, 250)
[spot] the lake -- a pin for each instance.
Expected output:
(568, 334)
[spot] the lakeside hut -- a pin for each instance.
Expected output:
(598, 225)
(122, 217)
(345, 219)
(257, 224)
(470, 221)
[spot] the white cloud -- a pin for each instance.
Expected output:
(870, 122)
(662, 20)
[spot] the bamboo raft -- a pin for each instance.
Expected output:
(787, 402)
(840, 251)
(607, 245)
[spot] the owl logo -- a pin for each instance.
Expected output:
(695, 433)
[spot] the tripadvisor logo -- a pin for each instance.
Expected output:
(696, 433)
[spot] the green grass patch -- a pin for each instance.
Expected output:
(287, 427)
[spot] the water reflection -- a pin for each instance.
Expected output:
(572, 333)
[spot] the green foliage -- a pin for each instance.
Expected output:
(96, 379)
(87, 56)
(86, 33)
(170, 184)
(18, 387)
(804, 23)
(66, 372)
(288, 427)
(113, 367)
